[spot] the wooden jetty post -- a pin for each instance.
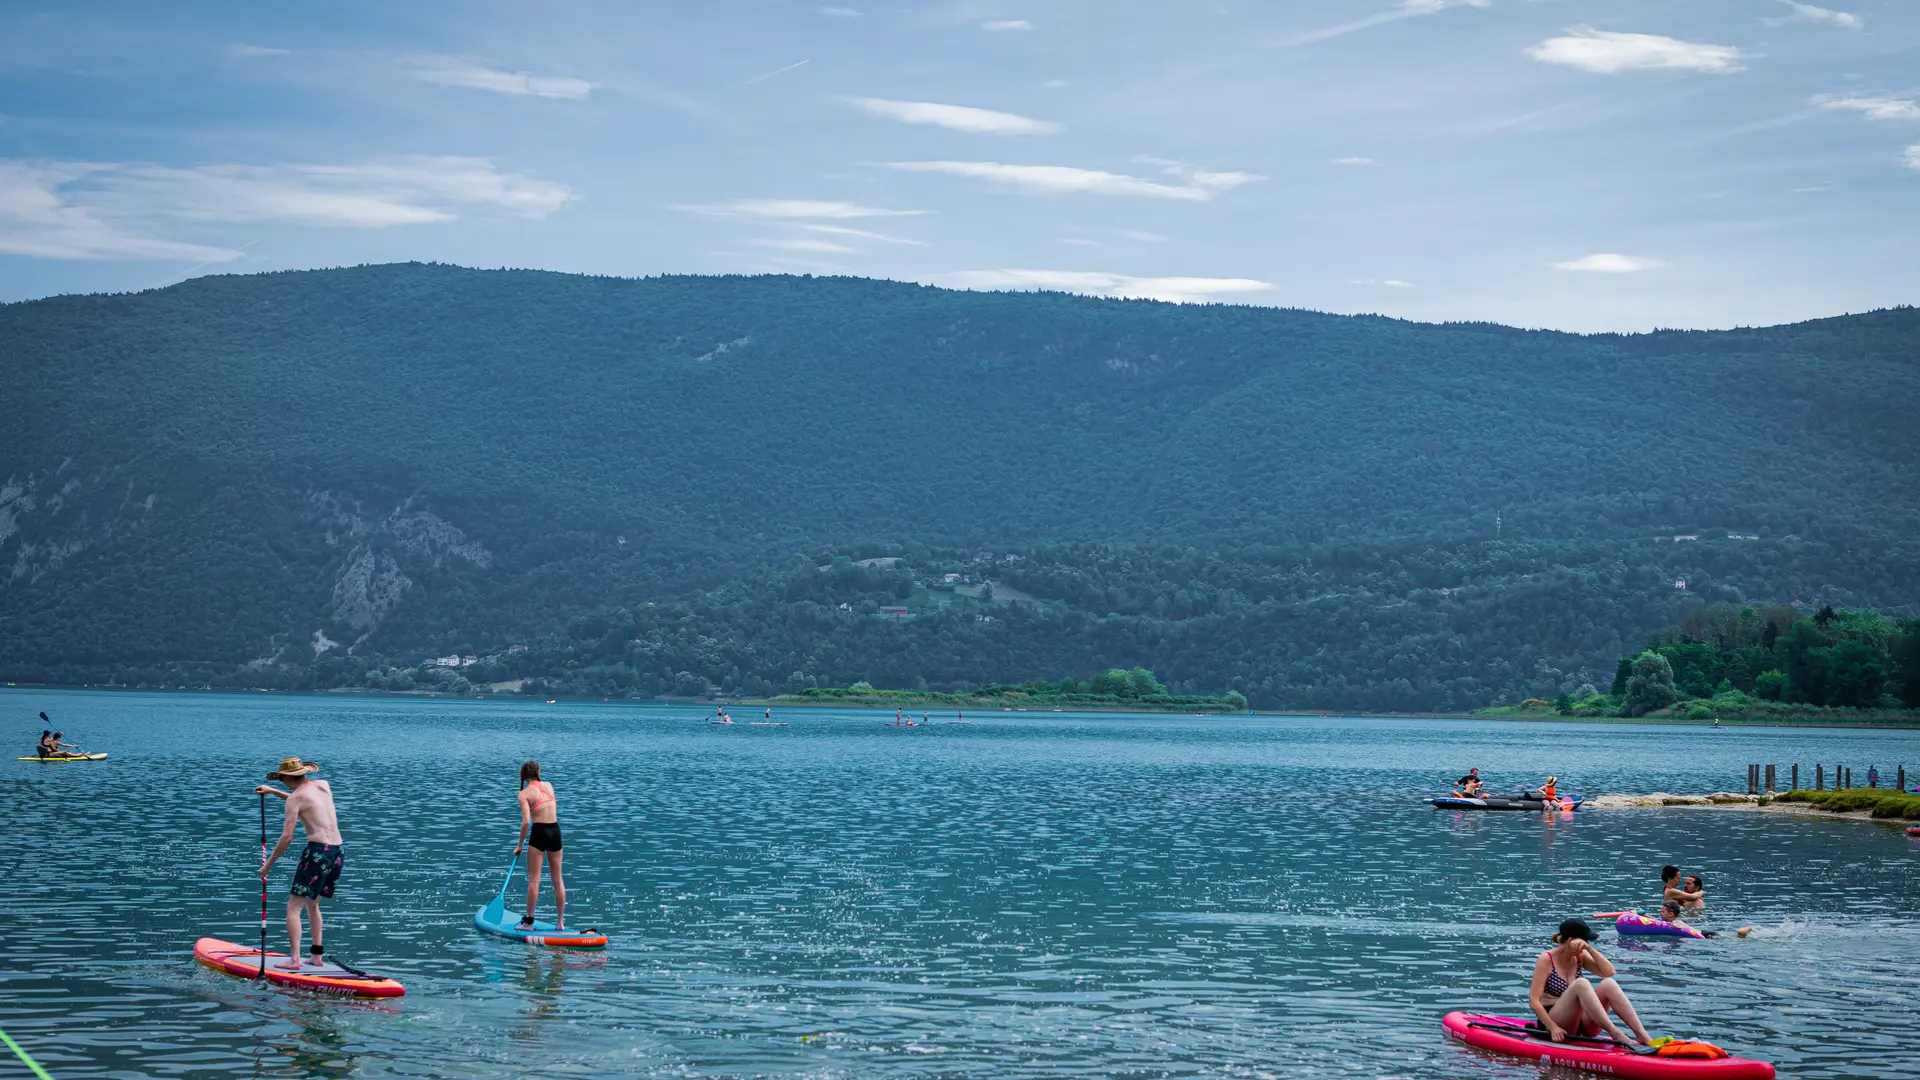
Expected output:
(1819, 777)
(1795, 786)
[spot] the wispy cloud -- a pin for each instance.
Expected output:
(1406, 9)
(447, 71)
(1391, 283)
(1912, 157)
(955, 117)
(840, 12)
(1798, 12)
(1065, 179)
(244, 50)
(1141, 236)
(1607, 263)
(1180, 290)
(861, 234)
(792, 210)
(1609, 53)
(95, 210)
(1002, 26)
(791, 244)
(1355, 161)
(1874, 108)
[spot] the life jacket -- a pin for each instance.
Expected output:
(1689, 1048)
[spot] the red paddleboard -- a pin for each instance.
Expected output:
(1508, 1035)
(243, 961)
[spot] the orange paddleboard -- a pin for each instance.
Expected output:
(243, 961)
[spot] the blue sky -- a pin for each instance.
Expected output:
(1579, 164)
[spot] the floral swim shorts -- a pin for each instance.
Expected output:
(318, 871)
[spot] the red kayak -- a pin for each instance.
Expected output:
(1510, 1035)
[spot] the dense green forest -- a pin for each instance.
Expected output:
(1769, 661)
(690, 485)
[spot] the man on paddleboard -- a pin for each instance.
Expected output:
(309, 802)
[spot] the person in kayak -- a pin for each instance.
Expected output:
(48, 746)
(1568, 1004)
(1469, 786)
(540, 839)
(1549, 789)
(310, 803)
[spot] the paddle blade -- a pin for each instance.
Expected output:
(496, 909)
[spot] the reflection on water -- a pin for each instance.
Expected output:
(1025, 896)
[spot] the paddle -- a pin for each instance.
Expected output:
(1533, 1032)
(496, 909)
(263, 885)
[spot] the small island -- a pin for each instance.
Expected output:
(1114, 690)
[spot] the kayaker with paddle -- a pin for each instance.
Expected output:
(540, 837)
(1469, 786)
(49, 745)
(309, 802)
(1568, 1004)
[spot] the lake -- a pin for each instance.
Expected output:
(1028, 895)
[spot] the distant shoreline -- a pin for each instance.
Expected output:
(1280, 714)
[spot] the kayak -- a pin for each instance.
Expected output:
(493, 919)
(71, 757)
(1913, 830)
(1512, 1036)
(1504, 802)
(1634, 924)
(243, 961)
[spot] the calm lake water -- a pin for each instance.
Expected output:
(1029, 895)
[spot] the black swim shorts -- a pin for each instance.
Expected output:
(318, 871)
(544, 836)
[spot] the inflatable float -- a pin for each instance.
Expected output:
(1634, 924)
(1515, 1037)
(244, 962)
(1504, 802)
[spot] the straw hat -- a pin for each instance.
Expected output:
(293, 767)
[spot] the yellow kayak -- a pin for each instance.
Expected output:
(74, 757)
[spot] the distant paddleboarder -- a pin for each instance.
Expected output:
(309, 802)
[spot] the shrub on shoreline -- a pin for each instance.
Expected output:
(1883, 802)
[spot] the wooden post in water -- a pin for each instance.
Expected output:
(1849, 782)
(1796, 779)
(1750, 784)
(1819, 777)
(1900, 779)
(1770, 788)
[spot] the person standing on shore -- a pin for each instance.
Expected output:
(540, 838)
(309, 802)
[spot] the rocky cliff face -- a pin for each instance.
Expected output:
(47, 519)
(371, 579)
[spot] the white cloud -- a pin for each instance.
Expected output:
(1079, 241)
(1392, 283)
(245, 50)
(97, 210)
(1912, 157)
(861, 234)
(840, 12)
(1180, 290)
(1607, 263)
(1355, 161)
(1610, 53)
(1140, 236)
(819, 246)
(1799, 12)
(1430, 7)
(1875, 108)
(450, 72)
(1001, 26)
(955, 117)
(792, 210)
(1199, 184)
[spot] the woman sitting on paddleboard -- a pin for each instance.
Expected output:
(1570, 1005)
(540, 836)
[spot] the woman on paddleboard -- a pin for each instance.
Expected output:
(1568, 1004)
(540, 837)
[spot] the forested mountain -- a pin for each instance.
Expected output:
(669, 486)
